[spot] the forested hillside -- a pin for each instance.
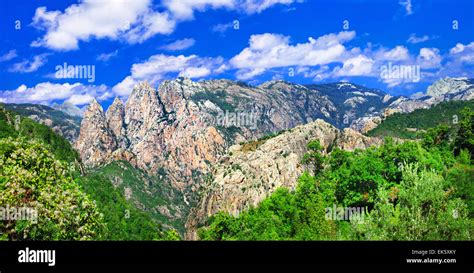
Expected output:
(409, 125)
(40, 170)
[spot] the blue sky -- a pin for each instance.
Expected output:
(123, 42)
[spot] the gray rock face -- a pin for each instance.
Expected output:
(443, 90)
(447, 86)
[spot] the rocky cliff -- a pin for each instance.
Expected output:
(96, 141)
(184, 127)
(251, 171)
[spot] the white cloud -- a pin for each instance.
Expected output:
(124, 88)
(221, 28)
(406, 4)
(148, 25)
(457, 49)
(257, 6)
(356, 66)
(328, 57)
(459, 62)
(28, 66)
(179, 44)
(398, 53)
(104, 57)
(80, 99)
(273, 50)
(160, 66)
(195, 72)
(429, 58)
(131, 20)
(8, 56)
(464, 53)
(184, 10)
(47, 93)
(413, 39)
(249, 73)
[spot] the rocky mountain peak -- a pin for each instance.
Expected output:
(116, 108)
(115, 117)
(141, 90)
(184, 125)
(95, 141)
(142, 110)
(281, 85)
(117, 102)
(449, 86)
(94, 108)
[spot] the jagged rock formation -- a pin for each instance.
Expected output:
(350, 140)
(96, 141)
(249, 172)
(252, 171)
(183, 127)
(115, 117)
(366, 124)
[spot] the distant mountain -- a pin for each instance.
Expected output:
(69, 109)
(443, 90)
(14, 125)
(408, 125)
(61, 122)
(454, 88)
(354, 101)
(446, 89)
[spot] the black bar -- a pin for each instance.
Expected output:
(139, 254)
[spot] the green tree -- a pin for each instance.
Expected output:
(465, 135)
(437, 136)
(313, 157)
(31, 177)
(422, 210)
